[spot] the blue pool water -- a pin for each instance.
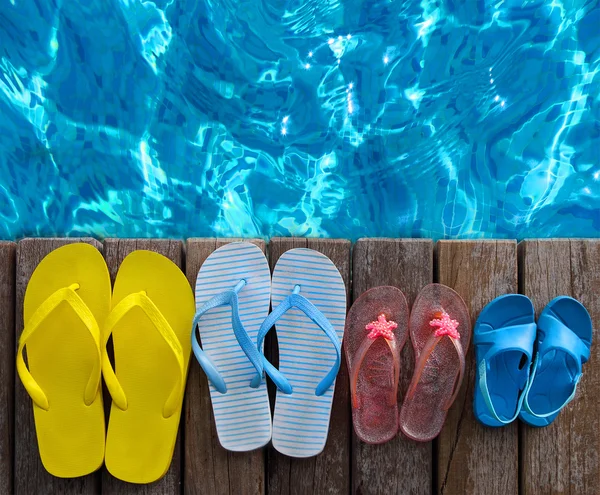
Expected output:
(341, 118)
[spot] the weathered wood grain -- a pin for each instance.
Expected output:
(563, 457)
(329, 472)
(209, 468)
(30, 477)
(7, 362)
(473, 459)
(399, 466)
(115, 251)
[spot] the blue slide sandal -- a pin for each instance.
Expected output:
(504, 335)
(563, 345)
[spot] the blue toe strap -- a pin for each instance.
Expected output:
(205, 363)
(295, 300)
(557, 336)
(226, 298)
(514, 338)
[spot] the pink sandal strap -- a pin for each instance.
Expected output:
(380, 328)
(446, 328)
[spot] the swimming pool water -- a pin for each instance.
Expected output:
(340, 118)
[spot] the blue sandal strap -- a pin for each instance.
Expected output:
(526, 406)
(280, 381)
(206, 364)
(485, 393)
(296, 300)
(226, 298)
(557, 336)
(511, 338)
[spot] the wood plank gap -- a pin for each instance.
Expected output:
(329, 472)
(210, 469)
(8, 251)
(563, 458)
(115, 251)
(29, 473)
(399, 466)
(471, 458)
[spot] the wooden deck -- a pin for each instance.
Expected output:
(467, 458)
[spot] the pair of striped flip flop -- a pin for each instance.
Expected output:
(234, 291)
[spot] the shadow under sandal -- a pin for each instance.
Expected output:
(440, 330)
(376, 331)
(563, 345)
(504, 335)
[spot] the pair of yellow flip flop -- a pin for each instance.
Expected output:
(69, 315)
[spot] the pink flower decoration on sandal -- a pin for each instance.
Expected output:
(446, 326)
(381, 328)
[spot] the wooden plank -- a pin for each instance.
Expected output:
(470, 457)
(209, 468)
(7, 360)
(115, 251)
(563, 457)
(329, 472)
(29, 474)
(399, 466)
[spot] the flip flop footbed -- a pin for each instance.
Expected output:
(61, 355)
(375, 413)
(422, 416)
(140, 440)
(242, 414)
(301, 419)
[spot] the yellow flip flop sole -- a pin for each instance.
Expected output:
(66, 303)
(150, 322)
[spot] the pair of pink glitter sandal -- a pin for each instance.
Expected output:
(377, 328)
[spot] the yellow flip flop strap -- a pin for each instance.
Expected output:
(141, 300)
(68, 295)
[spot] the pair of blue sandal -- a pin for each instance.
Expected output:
(524, 369)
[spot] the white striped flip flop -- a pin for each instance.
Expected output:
(309, 310)
(233, 292)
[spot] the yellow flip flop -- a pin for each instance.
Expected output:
(66, 303)
(150, 323)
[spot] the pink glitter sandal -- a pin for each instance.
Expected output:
(376, 331)
(440, 330)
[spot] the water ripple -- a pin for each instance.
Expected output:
(185, 118)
